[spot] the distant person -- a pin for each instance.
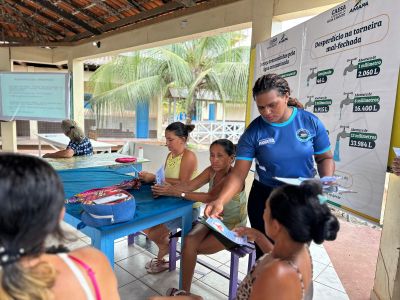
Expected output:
(293, 217)
(79, 144)
(31, 208)
(200, 240)
(396, 166)
(180, 167)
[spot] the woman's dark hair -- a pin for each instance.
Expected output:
(180, 129)
(295, 102)
(298, 209)
(228, 146)
(32, 198)
(270, 82)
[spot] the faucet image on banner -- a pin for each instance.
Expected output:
(351, 67)
(343, 134)
(344, 102)
(311, 76)
(309, 103)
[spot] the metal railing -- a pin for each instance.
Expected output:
(206, 132)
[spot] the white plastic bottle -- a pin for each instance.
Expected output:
(140, 153)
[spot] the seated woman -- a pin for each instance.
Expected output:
(78, 145)
(200, 240)
(293, 217)
(31, 207)
(180, 167)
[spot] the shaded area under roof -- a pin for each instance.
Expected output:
(68, 22)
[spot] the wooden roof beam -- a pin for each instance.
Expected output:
(68, 16)
(25, 21)
(46, 17)
(144, 15)
(136, 5)
(107, 7)
(85, 11)
(187, 3)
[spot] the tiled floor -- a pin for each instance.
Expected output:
(135, 284)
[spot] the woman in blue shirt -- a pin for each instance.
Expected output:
(284, 141)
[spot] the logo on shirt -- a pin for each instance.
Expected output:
(303, 135)
(266, 141)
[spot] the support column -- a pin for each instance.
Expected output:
(8, 129)
(387, 276)
(33, 124)
(77, 106)
(142, 119)
(261, 20)
(160, 112)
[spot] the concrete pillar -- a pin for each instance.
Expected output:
(160, 111)
(33, 129)
(77, 110)
(262, 13)
(387, 276)
(8, 129)
(33, 124)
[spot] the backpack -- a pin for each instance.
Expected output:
(106, 206)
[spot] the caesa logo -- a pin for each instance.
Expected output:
(272, 42)
(303, 135)
(283, 39)
(358, 5)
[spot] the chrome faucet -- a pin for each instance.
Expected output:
(343, 134)
(309, 103)
(312, 75)
(344, 102)
(350, 68)
(347, 100)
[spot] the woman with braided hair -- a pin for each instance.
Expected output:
(31, 208)
(284, 141)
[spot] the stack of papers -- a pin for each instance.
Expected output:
(160, 176)
(396, 151)
(227, 237)
(329, 183)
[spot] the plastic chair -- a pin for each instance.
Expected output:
(236, 254)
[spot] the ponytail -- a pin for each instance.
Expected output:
(295, 103)
(299, 210)
(189, 128)
(21, 283)
(180, 129)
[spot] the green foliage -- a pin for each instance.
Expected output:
(215, 64)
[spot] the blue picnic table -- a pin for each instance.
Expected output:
(149, 211)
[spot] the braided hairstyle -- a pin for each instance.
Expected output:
(32, 198)
(298, 209)
(270, 82)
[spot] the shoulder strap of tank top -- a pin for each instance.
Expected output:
(78, 274)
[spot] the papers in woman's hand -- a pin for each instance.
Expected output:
(160, 175)
(396, 151)
(329, 183)
(227, 237)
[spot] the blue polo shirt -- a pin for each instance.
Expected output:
(82, 148)
(284, 149)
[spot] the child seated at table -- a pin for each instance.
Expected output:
(293, 217)
(79, 144)
(31, 208)
(180, 167)
(200, 240)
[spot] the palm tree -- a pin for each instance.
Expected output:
(216, 65)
